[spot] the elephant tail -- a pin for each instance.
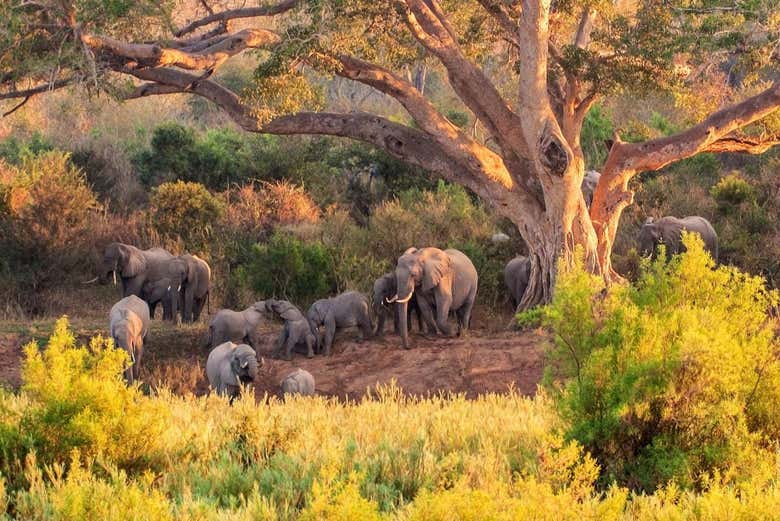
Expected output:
(208, 302)
(209, 337)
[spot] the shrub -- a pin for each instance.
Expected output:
(287, 267)
(672, 379)
(47, 216)
(185, 210)
(732, 190)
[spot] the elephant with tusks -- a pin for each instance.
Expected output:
(229, 366)
(443, 280)
(300, 382)
(128, 326)
(668, 231)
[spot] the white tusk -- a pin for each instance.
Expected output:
(169, 289)
(90, 281)
(405, 300)
(114, 273)
(179, 288)
(392, 299)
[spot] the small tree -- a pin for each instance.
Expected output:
(185, 210)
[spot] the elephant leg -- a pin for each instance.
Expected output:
(280, 342)
(139, 353)
(380, 323)
(427, 313)
(310, 346)
(289, 346)
(330, 333)
(366, 328)
(198, 308)
(443, 303)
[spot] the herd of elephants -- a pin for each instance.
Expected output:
(428, 283)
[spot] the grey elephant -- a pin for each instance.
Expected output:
(236, 326)
(167, 289)
(297, 330)
(517, 273)
(668, 231)
(196, 287)
(229, 366)
(128, 326)
(300, 382)
(349, 309)
(444, 281)
(133, 266)
(385, 289)
(589, 182)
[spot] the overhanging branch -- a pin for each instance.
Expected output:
(26, 93)
(233, 14)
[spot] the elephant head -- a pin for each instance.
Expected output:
(649, 237)
(284, 309)
(244, 363)
(123, 258)
(426, 268)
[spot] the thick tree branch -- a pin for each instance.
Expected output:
(233, 14)
(153, 55)
(625, 160)
(469, 82)
(449, 137)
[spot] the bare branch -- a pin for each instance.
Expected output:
(585, 27)
(233, 14)
(58, 84)
(17, 107)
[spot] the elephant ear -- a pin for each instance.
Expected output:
(410, 250)
(437, 267)
(133, 261)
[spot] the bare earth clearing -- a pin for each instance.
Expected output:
(485, 361)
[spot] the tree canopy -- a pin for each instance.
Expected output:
(527, 73)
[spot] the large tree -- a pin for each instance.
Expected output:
(527, 71)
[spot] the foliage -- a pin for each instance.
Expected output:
(732, 190)
(671, 380)
(287, 267)
(105, 451)
(185, 210)
(13, 150)
(47, 217)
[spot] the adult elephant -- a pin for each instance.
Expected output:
(516, 275)
(196, 287)
(588, 187)
(668, 231)
(168, 289)
(443, 280)
(135, 267)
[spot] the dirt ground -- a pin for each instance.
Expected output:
(487, 360)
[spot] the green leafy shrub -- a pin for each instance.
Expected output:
(671, 380)
(732, 190)
(287, 267)
(14, 150)
(185, 210)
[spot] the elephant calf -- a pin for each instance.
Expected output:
(384, 289)
(349, 309)
(300, 382)
(297, 330)
(236, 326)
(229, 365)
(668, 231)
(129, 324)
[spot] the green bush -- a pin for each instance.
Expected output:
(14, 150)
(187, 211)
(287, 267)
(674, 379)
(732, 190)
